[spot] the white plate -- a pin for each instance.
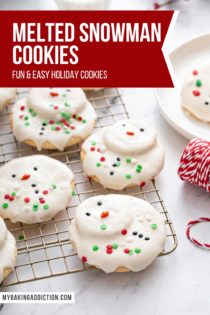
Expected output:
(184, 58)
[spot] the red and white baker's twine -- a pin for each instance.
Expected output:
(192, 239)
(195, 163)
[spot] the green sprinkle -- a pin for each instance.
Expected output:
(58, 122)
(131, 252)
(128, 160)
(21, 237)
(46, 207)
(95, 248)
(63, 95)
(53, 128)
(115, 246)
(51, 105)
(138, 169)
(26, 118)
(118, 164)
(65, 115)
(84, 121)
(27, 124)
(154, 226)
(66, 104)
(198, 83)
(73, 193)
(137, 250)
(13, 193)
(128, 176)
(54, 186)
(35, 207)
(5, 205)
(93, 142)
(30, 110)
(98, 164)
(67, 132)
(34, 114)
(103, 227)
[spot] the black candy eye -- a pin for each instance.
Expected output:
(140, 235)
(99, 203)
(68, 90)
(13, 175)
(33, 185)
(135, 233)
(35, 168)
(41, 133)
(147, 238)
(123, 125)
(118, 159)
(206, 103)
(88, 214)
(36, 191)
(141, 129)
(44, 124)
(111, 173)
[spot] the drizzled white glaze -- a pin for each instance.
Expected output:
(124, 154)
(53, 115)
(6, 95)
(195, 94)
(34, 189)
(7, 249)
(117, 231)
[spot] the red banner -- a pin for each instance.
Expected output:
(84, 48)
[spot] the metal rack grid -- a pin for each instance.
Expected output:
(44, 249)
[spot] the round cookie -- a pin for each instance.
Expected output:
(123, 155)
(6, 95)
(34, 189)
(53, 118)
(8, 251)
(195, 93)
(117, 233)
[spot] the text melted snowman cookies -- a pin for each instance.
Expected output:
(124, 154)
(117, 233)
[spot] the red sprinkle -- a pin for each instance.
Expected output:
(51, 122)
(130, 133)
(126, 250)
(98, 150)
(72, 127)
(92, 149)
(84, 259)
(27, 200)
(45, 192)
(102, 159)
(74, 116)
(79, 118)
(195, 72)
(142, 184)
(124, 232)
(21, 116)
(58, 128)
(22, 108)
(109, 251)
(196, 93)
(156, 6)
(56, 107)
(25, 177)
(42, 201)
(6, 196)
(109, 246)
(104, 214)
(11, 198)
(53, 94)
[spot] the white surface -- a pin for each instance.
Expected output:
(177, 284)
(191, 55)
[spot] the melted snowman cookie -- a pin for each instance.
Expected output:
(8, 251)
(124, 154)
(34, 189)
(53, 118)
(195, 94)
(117, 233)
(6, 95)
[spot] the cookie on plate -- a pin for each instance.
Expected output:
(34, 189)
(123, 155)
(117, 233)
(6, 96)
(195, 93)
(8, 251)
(53, 118)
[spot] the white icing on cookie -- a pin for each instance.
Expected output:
(124, 154)
(6, 95)
(7, 249)
(53, 115)
(108, 234)
(34, 189)
(195, 94)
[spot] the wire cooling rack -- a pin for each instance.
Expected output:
(44, 249)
